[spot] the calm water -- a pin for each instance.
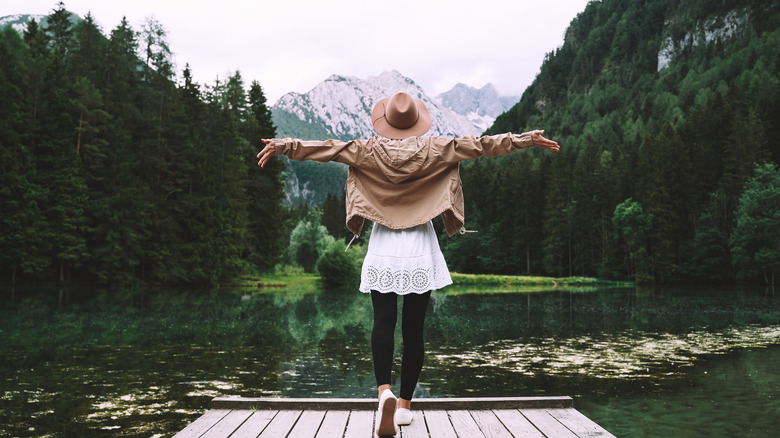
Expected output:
(680, 362)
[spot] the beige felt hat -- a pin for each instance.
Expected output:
(400, 116)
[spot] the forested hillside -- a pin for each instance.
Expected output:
(664, 110)
(112, 171)
(115, 168)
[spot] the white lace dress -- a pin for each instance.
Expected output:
(404, 261)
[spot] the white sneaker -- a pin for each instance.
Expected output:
(385, 416)
(403, 417)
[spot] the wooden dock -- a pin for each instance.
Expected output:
(538, 417)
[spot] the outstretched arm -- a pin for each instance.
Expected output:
(349, 153)
(454, 150)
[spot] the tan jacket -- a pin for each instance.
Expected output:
(403, 183)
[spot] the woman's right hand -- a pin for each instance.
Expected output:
(266, 153)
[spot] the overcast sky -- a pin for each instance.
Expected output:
(292, 45)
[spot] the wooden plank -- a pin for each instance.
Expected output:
(517, 424)
(547, 424)
(254, 425)
(228, 424)
(202, 424)
(578, 423)
(436, 418)
(439, 424)
(360, 404)
(308, 424)
(464, 424)
(489, 424)
(334, 424)
(281, 424)
(360, 424)
(417, 429)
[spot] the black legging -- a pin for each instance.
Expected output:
(383, 339)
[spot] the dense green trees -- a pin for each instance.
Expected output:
(662, 118)
(115, 168)
(114, 171)
(755, 241)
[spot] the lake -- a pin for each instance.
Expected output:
(641, 362)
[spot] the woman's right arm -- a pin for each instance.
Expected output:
(300, 150)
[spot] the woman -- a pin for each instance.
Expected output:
(401, 182)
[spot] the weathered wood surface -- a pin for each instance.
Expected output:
(362, 404)
(527, 417)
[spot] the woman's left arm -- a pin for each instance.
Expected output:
(468, 148)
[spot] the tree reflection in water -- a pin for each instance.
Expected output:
(146, 363)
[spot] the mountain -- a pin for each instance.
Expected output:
(614, 51)
(340, 107)
(19, 21)
(480, 106)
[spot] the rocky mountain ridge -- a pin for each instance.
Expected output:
(340, 107)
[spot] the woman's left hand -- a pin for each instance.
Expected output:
(539, 141)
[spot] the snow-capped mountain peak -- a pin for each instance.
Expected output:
(480, 106)
(340, 107)
(19, 21)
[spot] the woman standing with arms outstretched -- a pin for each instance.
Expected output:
(401, 181)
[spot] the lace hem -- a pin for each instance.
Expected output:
(402, 281)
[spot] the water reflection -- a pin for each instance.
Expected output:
(630, 355)
(148, 362)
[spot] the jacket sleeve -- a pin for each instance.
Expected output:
(468, 148)
(349, 153)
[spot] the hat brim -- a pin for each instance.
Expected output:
(385, 129)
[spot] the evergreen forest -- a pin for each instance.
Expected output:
(115, 169)
(668, 167)
(118, 169)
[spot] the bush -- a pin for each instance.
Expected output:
(306, 256)
(338, 267)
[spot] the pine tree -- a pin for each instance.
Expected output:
(220, 189)
(559, 215)
(525, 211)
(265, 187)
(708, 257)
(60, 28)
(88, 57)
(58, 169)
(118, 204)
(590, 193)
(664, 190)
(746, 145)
(259, 109)
(22, 248)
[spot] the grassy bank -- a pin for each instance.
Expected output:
(488, 284)
(527, 280)
(291, 282)
(461, 282)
